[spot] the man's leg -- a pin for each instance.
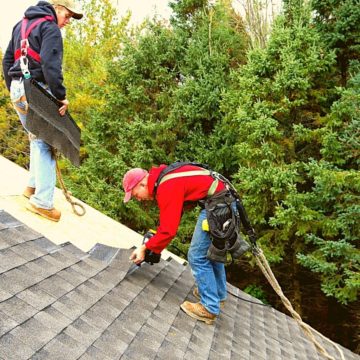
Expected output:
(220, 276)
(31, 181)
(41, 184)
(17, 95)
(203, 269)
(43, 168)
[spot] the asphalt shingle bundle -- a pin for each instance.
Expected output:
(57, 302)
(44, 121)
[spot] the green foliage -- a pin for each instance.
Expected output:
(161, 104)
(90, 45)
(217, 45)
(257, 292)
(281, 126)
(338, 22)
(289, 138)
(131, 123)
(341, 136)
(185, 10)
(277, 90)
(335, 200)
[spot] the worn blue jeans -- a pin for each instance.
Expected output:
(42, 162)
(210, 276)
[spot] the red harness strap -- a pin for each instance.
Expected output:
(24, 44)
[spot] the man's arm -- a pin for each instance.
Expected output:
(7, 63)
(51, 59)
(171, 203)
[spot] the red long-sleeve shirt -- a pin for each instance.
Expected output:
(170, 196)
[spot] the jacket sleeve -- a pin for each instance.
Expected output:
(7, 63)
(51, 59)
(170, 205)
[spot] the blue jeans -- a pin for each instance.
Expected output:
(42, 162)
(210, 276)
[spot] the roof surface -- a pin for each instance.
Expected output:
(58, 302)
(82, 231)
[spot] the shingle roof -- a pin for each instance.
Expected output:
(57, 302)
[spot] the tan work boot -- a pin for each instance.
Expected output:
(52, 214)
(198, 311)
(197, 295)
(29, 191)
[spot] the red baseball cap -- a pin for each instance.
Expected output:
(131, 179)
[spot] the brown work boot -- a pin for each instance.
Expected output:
(198, 311)
(29, 191)
(50, 214)
(197, 295)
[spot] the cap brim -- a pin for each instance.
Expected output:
(77, 16)
(127, 196)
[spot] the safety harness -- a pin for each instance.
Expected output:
(223, 220)
(24, 50)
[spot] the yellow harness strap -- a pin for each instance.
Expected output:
(212, 188)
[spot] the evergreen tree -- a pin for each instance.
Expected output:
(161, 104)
(217, 44)
(338, 22)
(281, 118)
(90, 45)
(335, 200)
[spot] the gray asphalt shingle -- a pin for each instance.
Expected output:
(57, 302)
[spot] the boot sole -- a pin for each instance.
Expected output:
(31, 208)
(194, 316)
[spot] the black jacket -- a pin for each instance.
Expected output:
(46, 40)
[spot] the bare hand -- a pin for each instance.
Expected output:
(63, 108)
(138, 255)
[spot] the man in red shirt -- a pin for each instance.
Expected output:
(171, 195)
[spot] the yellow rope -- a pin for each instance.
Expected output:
(307, 329)
(67, 194)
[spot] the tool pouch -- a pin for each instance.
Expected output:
(239, 247)
(215, 254)
(224, 225)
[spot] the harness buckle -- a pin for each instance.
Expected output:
(24, 62)
(24, 44)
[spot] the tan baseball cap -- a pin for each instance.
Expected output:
(71, 5)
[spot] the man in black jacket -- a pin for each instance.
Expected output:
(40, 36)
